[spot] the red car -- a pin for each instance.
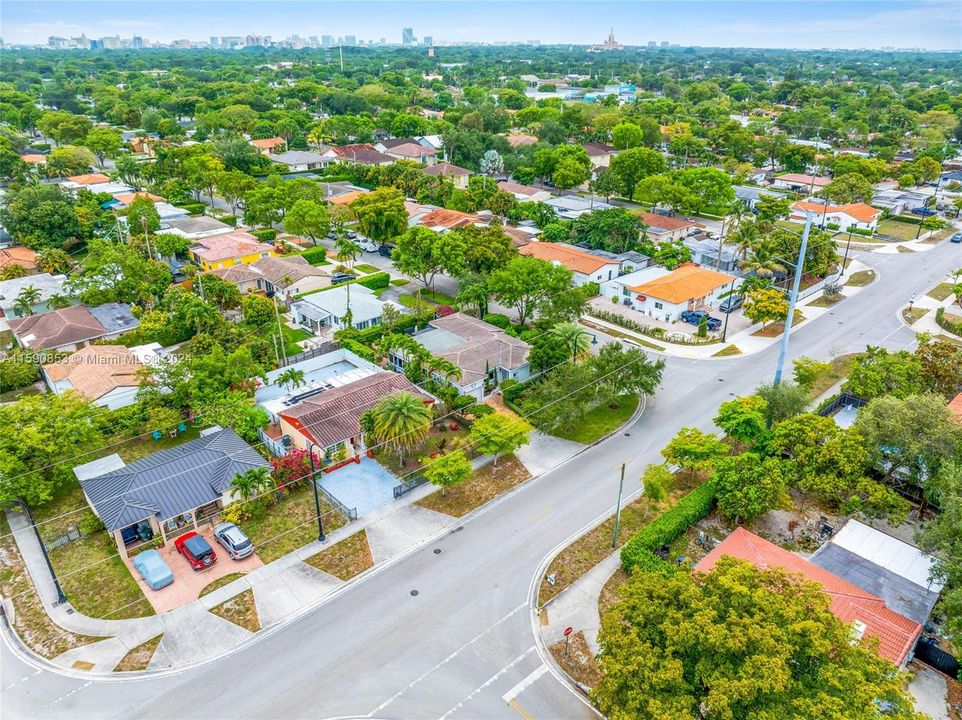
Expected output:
(197, 550)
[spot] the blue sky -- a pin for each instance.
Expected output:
(933, 24)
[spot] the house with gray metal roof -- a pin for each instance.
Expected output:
(167, 492)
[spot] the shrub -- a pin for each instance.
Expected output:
(229, 220)
(377, 281)
(953, 327)
(833, 226)
(268, 235)
(860, 231)
(638, 552)
(362, 351)
(194, 208)
(17, 371)
(315, 255)
(591, 289)
(444, 311)
(498, 320)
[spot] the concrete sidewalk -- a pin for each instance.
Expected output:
(577, 605)
(191, 633)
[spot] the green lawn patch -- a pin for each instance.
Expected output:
(484, 485)
(602, 420)
(409, 301)
(777, 328)
(728, 351)
(365, 268)
(861, 278)
(138, 447)
(914, 315)
(826, 301)
(941, 291)
(437, 297)
(838, 370)
(900, 230)
(622, 335)
(399, 282)
(221, 582)
(138, 658)
(289, 524)
(345, 559)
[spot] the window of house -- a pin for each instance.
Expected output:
(659, 306)
(625, 291)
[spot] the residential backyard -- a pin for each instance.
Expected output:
(896, 229)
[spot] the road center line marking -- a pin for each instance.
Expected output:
(524, 684)
(446, 660)
(540, 515)
(516, 706)
(488, 682)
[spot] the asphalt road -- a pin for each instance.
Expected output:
(463, 647)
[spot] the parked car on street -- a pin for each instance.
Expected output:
(923, 211)
(957, 238)
(341, 277)
(234, 540)
(197, 550)
(694, 317)
(731, 303)
(153, 569)
(385, 250)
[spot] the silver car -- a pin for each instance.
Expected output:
(235, 542)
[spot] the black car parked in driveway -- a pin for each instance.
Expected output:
(694, 317)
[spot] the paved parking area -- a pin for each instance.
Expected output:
(736, 320)
(187, 582)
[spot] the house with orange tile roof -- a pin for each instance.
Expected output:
(34, 158)
(664, 294)
(855, 215)
(664, 228)
(955, 407)
(107, 375)
(269, 146)
(22, 256)
(586, 266)
(442, 219)
(222, 251)
(413, 151)
(868, 614)
(799, 182)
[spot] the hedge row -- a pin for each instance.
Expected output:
(639, 552)
(362, 351)
(269, 235)
(953, 327)
(229, 220)
(315, 255)
(194, 208)
(375, 281)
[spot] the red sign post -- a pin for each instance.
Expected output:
(567, 634)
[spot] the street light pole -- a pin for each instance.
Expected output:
(730, 310)
(621, 488)
(317, 500)
(796, 281)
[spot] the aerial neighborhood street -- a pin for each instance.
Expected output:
(460, 378)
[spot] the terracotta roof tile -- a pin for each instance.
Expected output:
(687, 282)
(859, 211)
(446, 169)
(18, 256)
(95, 370)
(89, 179)
(575, 260)
(664, 222)
(449, 218)
(896, 633)
(57, 327)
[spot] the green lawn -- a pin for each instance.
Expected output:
(136, 448)
(900, 230)
(365, 268)
(437, 297)
(941, 291)
(400, 282)
(292, 336)
(861, 278)
(289, 524)
(409, 301)
(601, 421)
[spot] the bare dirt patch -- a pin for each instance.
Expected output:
(139, 657)
(577, 661)
(345, 559)
(485, 485)
(240, 610)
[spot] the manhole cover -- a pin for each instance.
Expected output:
(437, 551)
(414, 593)
(627, 434)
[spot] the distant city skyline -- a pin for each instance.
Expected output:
(929, 24)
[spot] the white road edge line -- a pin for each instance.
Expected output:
(525, 684)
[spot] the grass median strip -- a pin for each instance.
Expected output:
(941, 291)
(604, 419)
(861, 278)
(240, 610)
(728, 351)
(139, 657)
(486, 484)
(345, 559)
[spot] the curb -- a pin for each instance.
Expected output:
(38, 662)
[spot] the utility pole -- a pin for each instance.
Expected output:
(317, 501)
(731, 299)
(280, 331)
(783, 350)
(340, 50)
(621, 488)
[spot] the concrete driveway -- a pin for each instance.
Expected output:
(187, 582)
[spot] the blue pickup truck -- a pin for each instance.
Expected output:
(694, 317)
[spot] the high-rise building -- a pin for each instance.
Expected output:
(407, 36)
(428, 41)
(327, 40)
(652, 43)
(664, 43)
(350, 40)
(214, 42)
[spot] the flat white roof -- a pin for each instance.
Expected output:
(886, 551)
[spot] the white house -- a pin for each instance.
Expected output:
(283, 277)
(299, 160)
(856, 215)
(797, 182)
(585, 265)
(900, 201)
(327, 309)
(107, 375)
(665, 294)
(195, 228)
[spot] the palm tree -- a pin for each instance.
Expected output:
(573, 336)
(443, 368)
(291, 377)
(25, 301)
(401, 421)
(745, 236)
(762, 261)
(58, 301)
(251, 483)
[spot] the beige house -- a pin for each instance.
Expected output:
(283, 277)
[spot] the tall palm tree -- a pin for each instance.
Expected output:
(28, 297)
(762, 260)
(573, 336)
(291, 377)
(251, 482)
(745, 236)
(401, 421)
